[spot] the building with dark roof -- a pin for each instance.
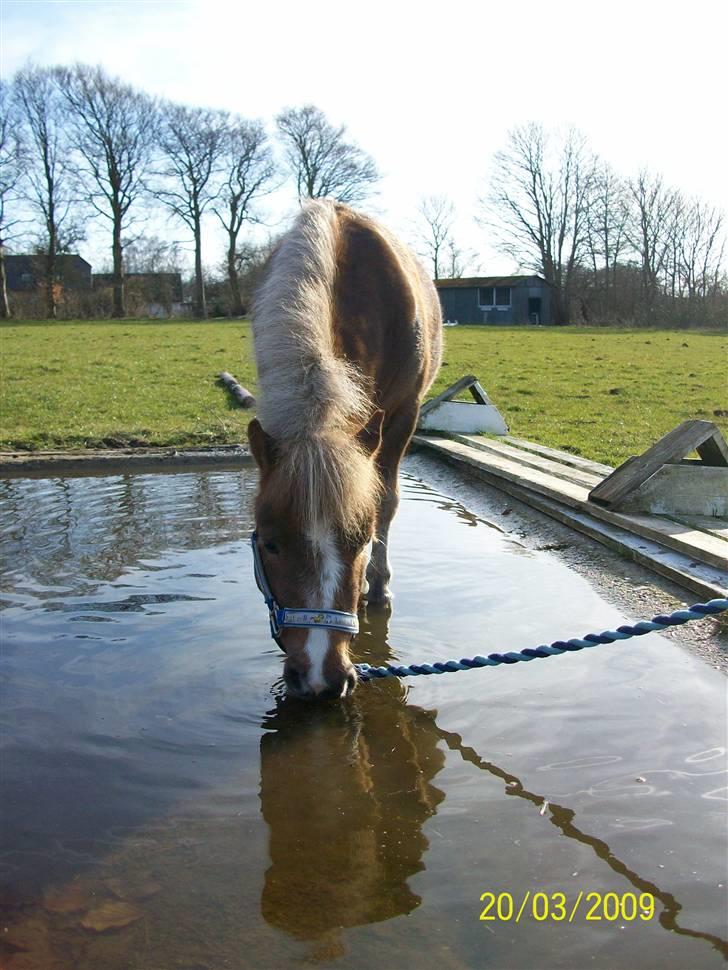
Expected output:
(495, 300)
(27, 273)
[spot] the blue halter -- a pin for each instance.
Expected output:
(282, 617)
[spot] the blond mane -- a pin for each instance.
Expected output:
(312, 401)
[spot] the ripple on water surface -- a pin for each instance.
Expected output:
(164, 804)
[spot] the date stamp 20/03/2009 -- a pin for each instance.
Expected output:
(592, 907)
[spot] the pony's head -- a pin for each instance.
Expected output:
(315, 517)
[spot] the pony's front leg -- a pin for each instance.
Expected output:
(396, 436)
(379, 571)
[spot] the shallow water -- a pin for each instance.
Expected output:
(155, 776)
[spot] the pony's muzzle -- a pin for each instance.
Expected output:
(338, 685)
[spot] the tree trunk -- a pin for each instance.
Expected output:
(236, 302)
(565, 303)
(118, 310)
(4, 305)
(51, 275)
(200, 305)
(558, 307)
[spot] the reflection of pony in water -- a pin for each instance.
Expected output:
(347, 330)
(345, 793)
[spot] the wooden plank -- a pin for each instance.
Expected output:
(449, 393)
(682, 490)
(670, 533)
(530, 460)
(714, 451)
(675, 535)
(565, 457)
(673, 446)
(479, 394)
(707, 523)
(705, 581)
(540, 481)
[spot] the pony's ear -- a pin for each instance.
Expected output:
(262, 446)
(370, 436)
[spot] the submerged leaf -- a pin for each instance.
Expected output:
(111, 916)
(69, 899)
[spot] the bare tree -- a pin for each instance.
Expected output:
(52, 189)
(456, 260)
(538, 205)
(701, 251)
(152, 254)
(321, 160)
(435, 240)
(436, 217)
(249, 171)
(191, 142)
(606, 232)
(654, 210)
(250, 261)
(11, 157)
(112, 127)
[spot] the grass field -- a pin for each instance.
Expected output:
(600, 393)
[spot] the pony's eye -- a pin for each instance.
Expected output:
(271, 547)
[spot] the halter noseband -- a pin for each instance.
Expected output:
(282, 618)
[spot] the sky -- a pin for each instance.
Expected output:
(430, 91)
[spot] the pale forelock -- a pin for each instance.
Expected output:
(333, 484)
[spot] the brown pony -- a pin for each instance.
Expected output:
(347, 331)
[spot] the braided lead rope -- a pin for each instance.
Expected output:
(697, 612)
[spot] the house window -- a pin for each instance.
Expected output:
(494, 296)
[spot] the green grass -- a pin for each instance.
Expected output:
(600, 393)
(604, 394)
(111, 384)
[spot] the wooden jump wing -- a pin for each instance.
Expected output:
(443, 413)
(701, 436)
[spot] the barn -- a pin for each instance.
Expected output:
(26, 273)
(496, 300)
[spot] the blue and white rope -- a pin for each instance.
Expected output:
(697, 612)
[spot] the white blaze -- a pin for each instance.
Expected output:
(330, 572)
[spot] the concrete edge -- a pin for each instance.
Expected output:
(114, 462)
